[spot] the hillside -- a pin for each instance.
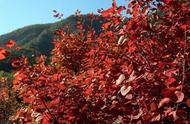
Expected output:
(37, 39)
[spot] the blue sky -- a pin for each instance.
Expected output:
(16, 14)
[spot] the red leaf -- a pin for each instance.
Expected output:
(17, 48)
(131, 49)
(28, 99)
(110, 11)
(129, 43)
(60, 86)
(46, 119)
(188, 102)
(15, 63)
(168, 92)
(54, 102)
(3, 54)
(107, 13)
(130, 69)
(89, 91)
(167, 1)
(18, 62)
(184, 27)
(106, 25)
(109, 33)
(10, 43)
(170, 81)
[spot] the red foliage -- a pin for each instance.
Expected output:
(130, 72)
(3, 54)
(10, 43)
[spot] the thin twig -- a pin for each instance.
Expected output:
(184, 61)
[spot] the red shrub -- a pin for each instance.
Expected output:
(134, 71)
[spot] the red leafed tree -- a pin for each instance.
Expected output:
(134, 71)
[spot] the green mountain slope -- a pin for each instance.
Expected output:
(38, 38)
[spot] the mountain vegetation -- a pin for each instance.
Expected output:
(38, 39)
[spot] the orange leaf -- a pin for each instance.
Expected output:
(3, 54)
(10, 43)
(153, 106)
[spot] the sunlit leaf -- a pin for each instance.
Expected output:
(125, 90)
(120, 79)
(163, 102)
(180, 96)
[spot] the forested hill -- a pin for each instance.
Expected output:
(39, 37)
